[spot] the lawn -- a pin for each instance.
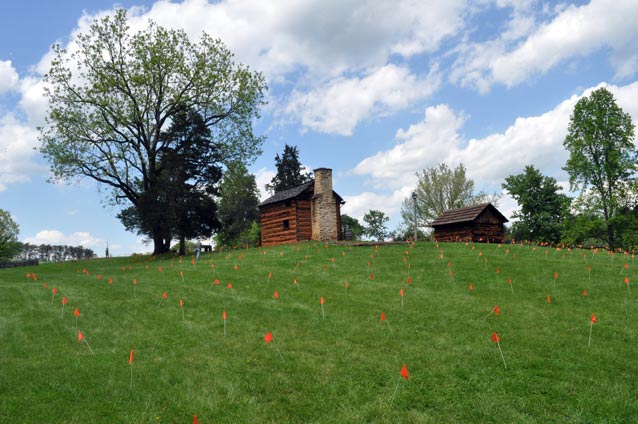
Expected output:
(336, 362)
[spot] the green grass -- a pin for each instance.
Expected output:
(341, 369)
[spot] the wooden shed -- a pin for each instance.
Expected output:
(311, 211)
(477, 223)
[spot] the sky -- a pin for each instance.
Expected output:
(375, 90)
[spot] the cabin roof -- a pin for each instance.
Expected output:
(290, 193)
(466, 214)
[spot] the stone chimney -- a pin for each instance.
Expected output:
(324, 207)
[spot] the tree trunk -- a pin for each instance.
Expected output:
(159, 243)
(610, 237)
(182, 246)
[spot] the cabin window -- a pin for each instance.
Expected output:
(286, 225)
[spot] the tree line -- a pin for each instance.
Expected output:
(53, 253)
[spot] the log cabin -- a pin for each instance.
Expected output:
(310, 211)
(476, 223)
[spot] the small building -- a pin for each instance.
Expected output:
(311, 211)
(477, 223)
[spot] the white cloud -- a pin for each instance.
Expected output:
(262, 177)
(358, 205)
(339, 105)
(17, 155)
(8, 77)
(536, 140)
(576, 31)
(332, 49)
(422, 145)
(32, 100)
(324, 37)
(56, 237)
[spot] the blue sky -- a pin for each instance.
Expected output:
(375, 90)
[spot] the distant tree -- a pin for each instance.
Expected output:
(403, 233)
(9, 230)
(289, 172)
(113, 96)
(375, 224)
(238, 212)
(602, 154)
(543, 209)
(438, 189)
(350, 225)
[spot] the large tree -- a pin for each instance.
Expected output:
(112, 99)
(238, 212)
(543, 209)
(9, 245)
(289, 171)
(602, 154)
(183, 202)
(440, 188)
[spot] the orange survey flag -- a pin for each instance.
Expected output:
(382, 316)
(76, 312)
(64, 301)
(268, 337)
(164, 295)
(80, 336)
(181, 303)
(276, 295)
(495, 337)
(594, 320)
(195, 419)
(322, 300)
(130, 358)
(224, 315)
(404, 372)
(496, 310)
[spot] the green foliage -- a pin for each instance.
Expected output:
(350, 225)
(375, 224)
(438, 189)
(341, 369)
(112, 99)
(252, 236)
(289, 172)
(238, 212)
(602, 154)
(9, 230)
(542, 208)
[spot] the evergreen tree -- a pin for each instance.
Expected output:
(289, 173)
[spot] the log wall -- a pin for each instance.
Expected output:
(476, 232)
(272, 224)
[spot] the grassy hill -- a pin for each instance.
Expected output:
(339, 366)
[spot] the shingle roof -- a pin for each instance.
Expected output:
(287, 194)
(466, 214)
